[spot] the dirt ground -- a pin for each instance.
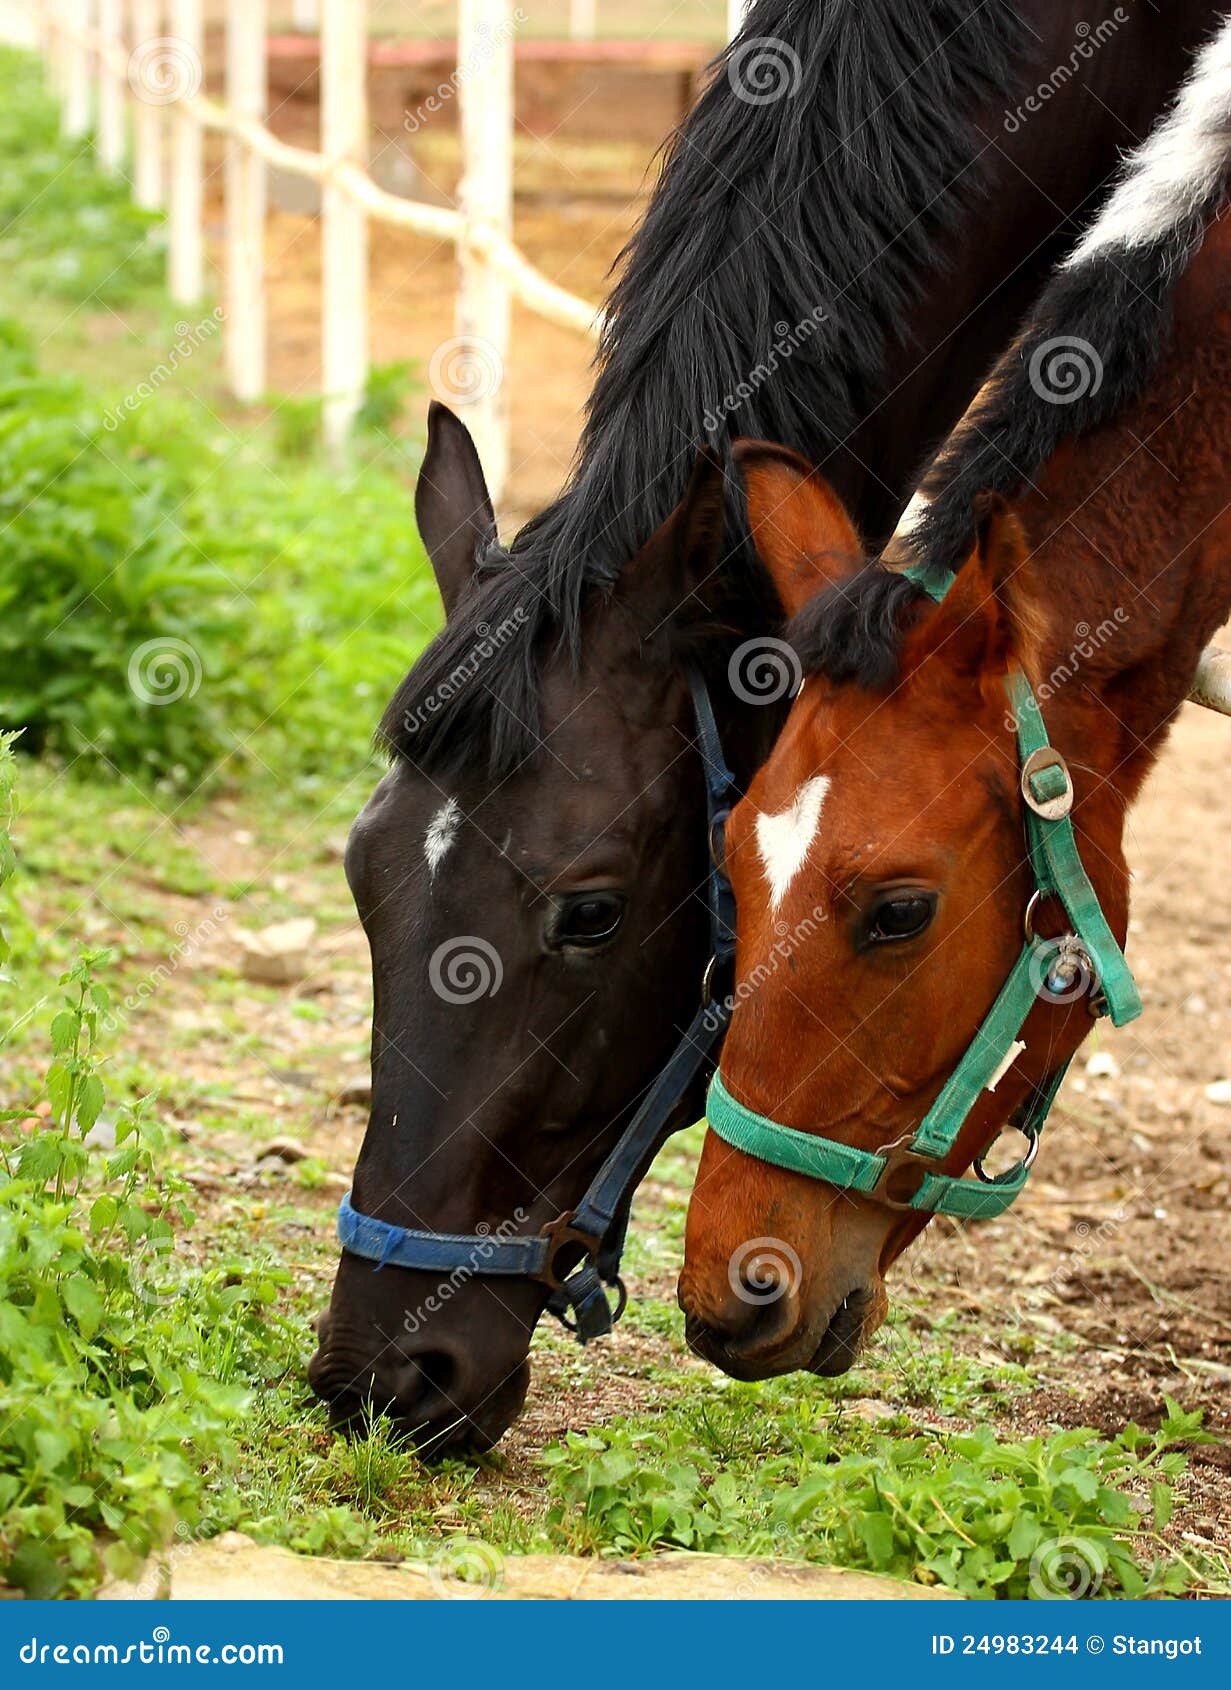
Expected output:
(1108, 1281)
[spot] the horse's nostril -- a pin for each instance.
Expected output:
(431, 1380)
(759, 1315)
(761, 1284)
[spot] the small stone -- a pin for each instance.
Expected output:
(871, 1409)
(356, 1092)
(101, 1136)
(1219, 1091)
(1103, 1066)
(278, 955)
(205, 1183)
(285, 1150)
(298, 1077)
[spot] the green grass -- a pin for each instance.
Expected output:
(187, 594)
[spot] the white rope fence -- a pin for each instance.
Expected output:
(133, 70)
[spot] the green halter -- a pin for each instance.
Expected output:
(1045, 968)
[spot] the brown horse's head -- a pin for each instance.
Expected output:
(881, 878)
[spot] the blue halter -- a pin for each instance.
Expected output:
(578, 1254)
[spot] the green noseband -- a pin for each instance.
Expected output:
(906, 1175)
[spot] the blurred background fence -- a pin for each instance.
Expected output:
(135, 73)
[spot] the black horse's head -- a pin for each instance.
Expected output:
(538, 928)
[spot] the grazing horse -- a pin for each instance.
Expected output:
(532, 871)
(959, 764)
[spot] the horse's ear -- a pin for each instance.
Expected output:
(987, 619)
(699, 521)
(452, 505)
(680, 559)
(799, 525)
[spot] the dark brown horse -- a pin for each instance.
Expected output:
(879, 860)
(832, 267)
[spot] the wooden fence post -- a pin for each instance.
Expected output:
(246, 88)
(583, 19)
(21, 22)
(469, 372)
(182, 77)
(344, 232)
(112, 139)
(76, 15)
(149, 130)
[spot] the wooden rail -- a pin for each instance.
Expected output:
(133, 70)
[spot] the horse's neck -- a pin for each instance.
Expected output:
(1133, 537)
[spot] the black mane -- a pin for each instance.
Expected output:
(1096, 335)
(792, 220)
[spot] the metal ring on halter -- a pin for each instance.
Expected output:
(1031, 1136)
(621, 1304)
(1036, 898)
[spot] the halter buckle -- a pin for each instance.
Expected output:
(1047, 785)
(560, 1234)
(900, 1156)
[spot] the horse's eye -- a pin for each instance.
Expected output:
(587, 919)
(899, 915)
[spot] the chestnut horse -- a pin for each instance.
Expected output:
(531, 872)
(880, 859)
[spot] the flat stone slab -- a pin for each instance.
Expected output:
(232, 1568)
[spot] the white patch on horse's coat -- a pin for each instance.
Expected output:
(1176, 168)
(911, 516)
(441, 832)
(783, 840)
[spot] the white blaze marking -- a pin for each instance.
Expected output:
(783, 840)
(441, 832)
(1177, 167)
